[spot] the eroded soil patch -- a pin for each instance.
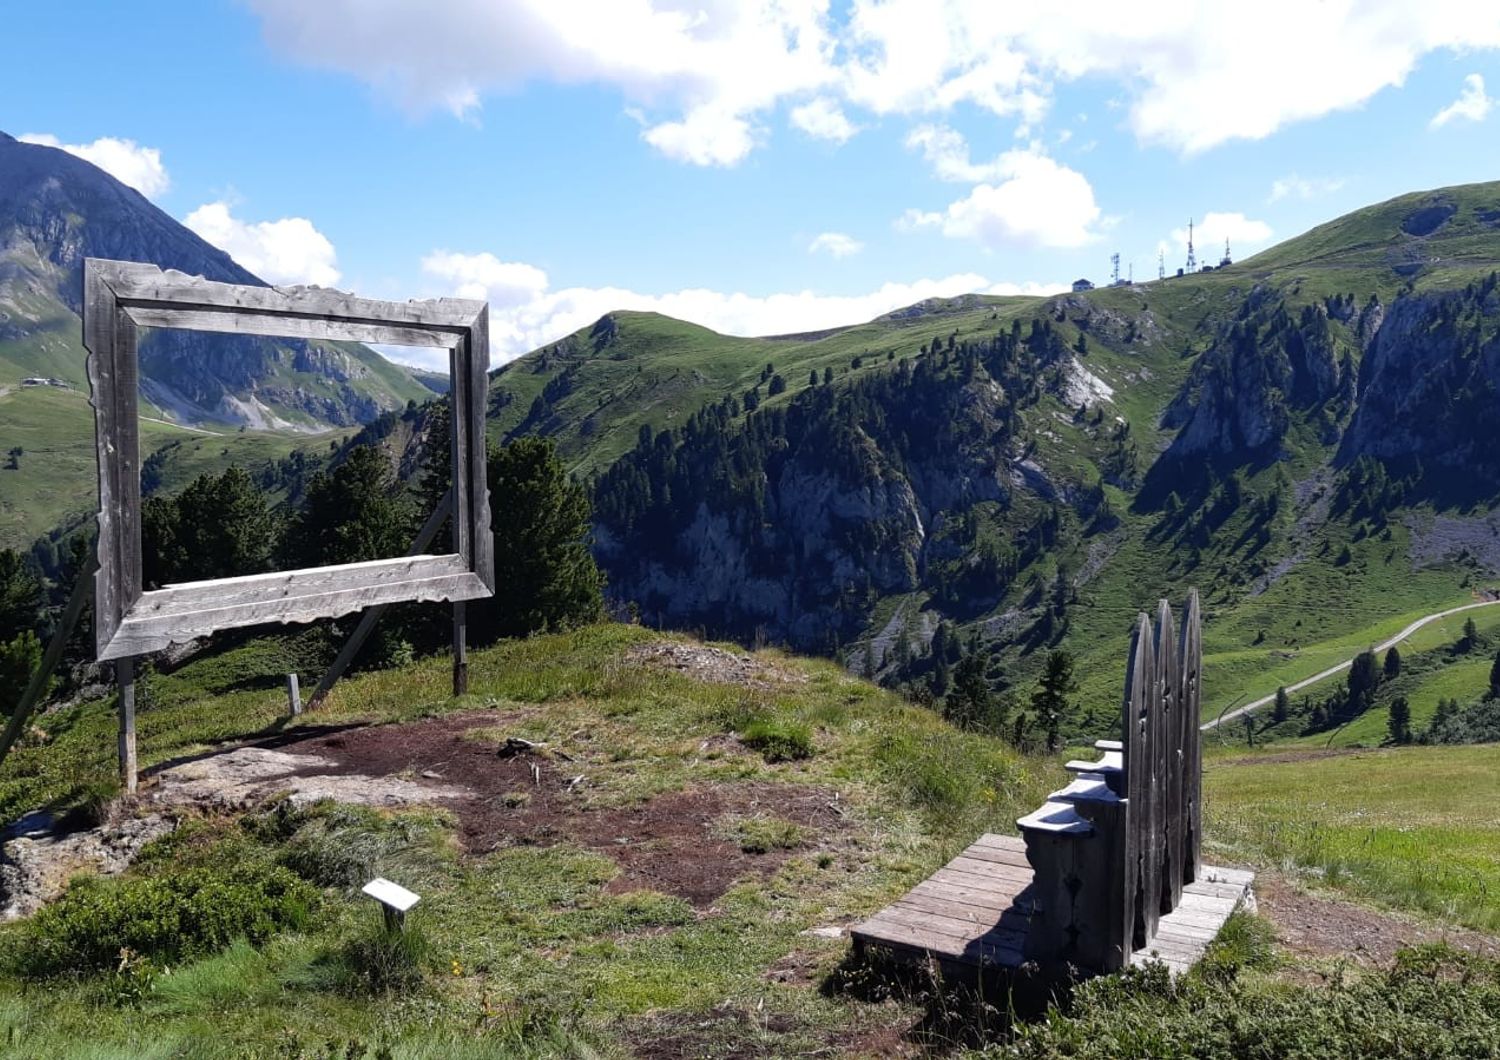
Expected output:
(1314, 925)
(672, 843)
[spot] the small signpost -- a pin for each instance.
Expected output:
(394, 901)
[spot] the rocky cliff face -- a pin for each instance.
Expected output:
(1240, 397)
(56, 210)
(837, 510)
(1430, 385)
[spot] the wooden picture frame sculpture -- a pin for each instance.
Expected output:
(121, 296)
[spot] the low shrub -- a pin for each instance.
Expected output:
(381, 959)
(1435, 1002)
(777, 739)
(163, 918)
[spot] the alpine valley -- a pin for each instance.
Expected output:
(1306, 436)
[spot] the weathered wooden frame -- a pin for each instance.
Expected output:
(121, 296)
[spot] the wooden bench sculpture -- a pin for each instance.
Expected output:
(1109, 870)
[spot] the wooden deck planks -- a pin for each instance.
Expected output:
(975, 911)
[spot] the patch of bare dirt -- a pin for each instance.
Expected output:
(1315, 925)
(729, 1032)
(508, 797)
(713, 665)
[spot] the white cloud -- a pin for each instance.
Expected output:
(1038, 202)
(1472, 104)
(125, 160)
(1191, 74)
(504, 283)
(288, 251)
(524, 314)
(947, 152)
(823, 119)
(1210, 233)
(1293, 186)
(707, 136)
(704, 71)
(837, 244)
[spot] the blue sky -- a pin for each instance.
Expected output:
(762, 166)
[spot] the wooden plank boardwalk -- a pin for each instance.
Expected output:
(976, 909)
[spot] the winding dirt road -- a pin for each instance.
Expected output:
(1341, 667)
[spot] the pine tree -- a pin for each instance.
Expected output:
(1398, 723)
(969, 704)
(357, 513)
(1471, 634)
(1050, 700)
(1279, 712)
(1495, 678)
(1364, 679)
(1392, 663)
(20, 595)
(19, 656)
(545, 574)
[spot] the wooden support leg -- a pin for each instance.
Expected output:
(460, 651)
(293, 695)
(125, 676)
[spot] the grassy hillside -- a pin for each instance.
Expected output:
(546, 934)
(56, 483)
(1281, 592)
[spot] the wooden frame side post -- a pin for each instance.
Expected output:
(125, 678)
(460, 650)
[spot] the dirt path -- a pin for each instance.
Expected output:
(1317, 925)
(1341, 667)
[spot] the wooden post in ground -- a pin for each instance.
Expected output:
(460, 650)
(293, 695)
(125, 676)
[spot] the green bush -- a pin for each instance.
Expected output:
(380, 959)
(778, 739)
(1435, 1002)
(99, 923)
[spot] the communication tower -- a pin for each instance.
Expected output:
(1192, 261)
(1161, 264)
(1114, 272)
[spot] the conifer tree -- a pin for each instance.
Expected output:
(1398, 723)
(1279, 712)
(1392, 663)
(1495, 678)
(545, 574)
(1050, 702)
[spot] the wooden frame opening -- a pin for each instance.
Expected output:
(121, 296)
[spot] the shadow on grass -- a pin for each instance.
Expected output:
(962, 1007)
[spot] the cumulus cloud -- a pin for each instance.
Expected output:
(1472, 104)
(703, 71)
(1295, 187)
(125, 160)
(836, 244)
(525, 313)
(1211, 232)
(706, 136)
(1192, 73)
(1037, 202)
(823, 119)
(287, 251)
(504, 283)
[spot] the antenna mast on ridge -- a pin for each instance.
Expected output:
(1227, 259)
(1161, 264)
(1192, 261)
(1114, 272)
